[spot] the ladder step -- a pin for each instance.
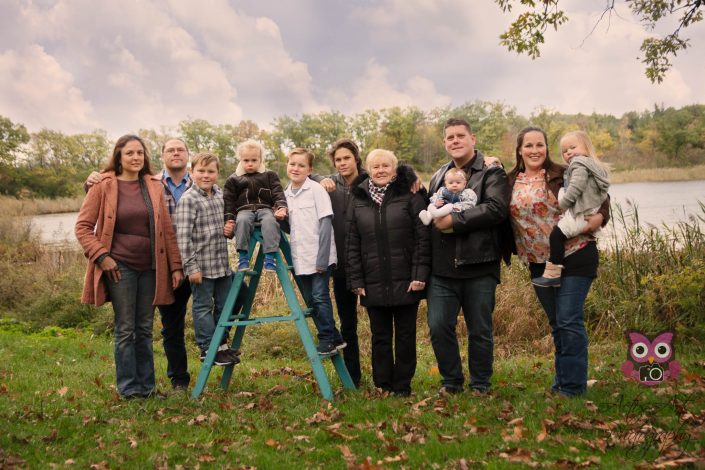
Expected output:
(257, 321)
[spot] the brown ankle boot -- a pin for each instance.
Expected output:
(551, 276)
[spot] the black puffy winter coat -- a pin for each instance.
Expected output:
(388, 246)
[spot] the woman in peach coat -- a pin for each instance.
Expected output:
(126, 233)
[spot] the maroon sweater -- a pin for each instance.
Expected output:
(131, 241)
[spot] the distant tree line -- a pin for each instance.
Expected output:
(49, 163)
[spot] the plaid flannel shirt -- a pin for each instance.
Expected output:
(199, 232)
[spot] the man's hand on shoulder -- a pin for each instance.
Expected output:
(93, 178)
(493, 162)
(328, 184)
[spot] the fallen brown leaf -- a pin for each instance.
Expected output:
(517, 455)
(271, 442)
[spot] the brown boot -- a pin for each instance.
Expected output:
(551, 276)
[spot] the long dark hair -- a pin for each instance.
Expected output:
(519, 165)
(114, 162)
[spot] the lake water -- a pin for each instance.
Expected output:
(657, 203)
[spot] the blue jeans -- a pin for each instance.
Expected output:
(173, 317)
(346, 302)
(245, 223)
(315, 291)
(446, 296)
(132, 299)
(208, 301)
(564, 309)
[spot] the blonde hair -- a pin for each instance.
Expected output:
(380, 153)
(585, 140)
(205, 159)
(455, 172)
(250, 144)
(301, 151)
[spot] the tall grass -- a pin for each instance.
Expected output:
(650, 277)
(12, 206)
(659, 174)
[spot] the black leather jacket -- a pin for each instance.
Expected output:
(478, 231)
(252, 191)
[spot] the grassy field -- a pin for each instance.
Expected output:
(61, 410)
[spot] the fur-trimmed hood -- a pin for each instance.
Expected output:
(239, 171)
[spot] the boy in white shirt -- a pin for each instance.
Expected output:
(312, 246)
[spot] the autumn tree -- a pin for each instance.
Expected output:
(12, 137)
(526, 33)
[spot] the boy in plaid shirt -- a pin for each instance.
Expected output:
(203, 246)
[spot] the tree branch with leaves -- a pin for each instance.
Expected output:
(526, 33)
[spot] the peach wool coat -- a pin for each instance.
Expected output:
(94, 230)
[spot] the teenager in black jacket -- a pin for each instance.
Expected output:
(388, 263)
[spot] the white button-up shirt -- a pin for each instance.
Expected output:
(306, 208)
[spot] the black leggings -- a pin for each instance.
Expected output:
(557, 242)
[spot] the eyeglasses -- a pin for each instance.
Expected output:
(174, 150)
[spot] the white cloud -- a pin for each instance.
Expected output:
(38, 92)
(375, 90)
(154, 63)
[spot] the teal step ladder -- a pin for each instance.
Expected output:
(242, 320)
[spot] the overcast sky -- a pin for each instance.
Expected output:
(121, 65)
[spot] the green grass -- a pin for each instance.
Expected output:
(59, 406)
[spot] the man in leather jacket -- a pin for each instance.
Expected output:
(466, 255)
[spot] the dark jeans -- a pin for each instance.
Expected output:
(564, 308)
(393, 367)
(132, 299)
(446, 296)
(173, 317)
(346, 302)
(316, 293)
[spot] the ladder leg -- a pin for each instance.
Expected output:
(337, 360)
(319, 371)
(244, 314)
(342, 371)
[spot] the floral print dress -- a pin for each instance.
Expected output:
(534, 211)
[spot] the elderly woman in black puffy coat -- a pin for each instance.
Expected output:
(388, 263)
